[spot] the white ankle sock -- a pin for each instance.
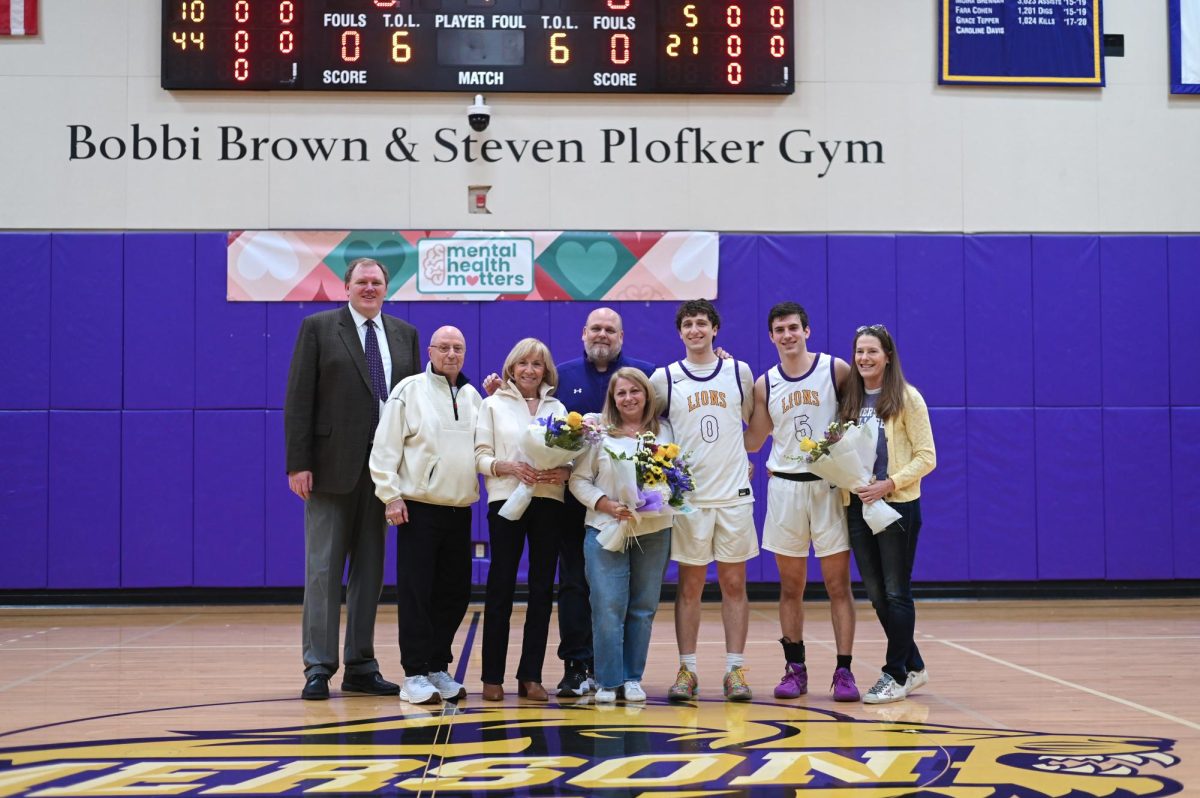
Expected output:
(688, 661)
(733, 660)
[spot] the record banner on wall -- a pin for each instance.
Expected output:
(473, 265)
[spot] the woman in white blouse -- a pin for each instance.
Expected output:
(625, 585)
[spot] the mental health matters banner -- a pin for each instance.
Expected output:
(431, 265)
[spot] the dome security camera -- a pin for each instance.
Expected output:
(479, 114)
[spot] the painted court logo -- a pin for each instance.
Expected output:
(475, 265)
(706, 748)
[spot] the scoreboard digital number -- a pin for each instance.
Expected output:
(647, 46)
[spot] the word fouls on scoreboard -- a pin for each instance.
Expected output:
(706, 46)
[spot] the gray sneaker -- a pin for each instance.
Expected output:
(419, 690)
(885, 691)
(447, 688)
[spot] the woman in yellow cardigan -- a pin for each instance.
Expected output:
(877, 393)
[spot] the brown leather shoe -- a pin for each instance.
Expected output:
(493, 692)
(532, 690)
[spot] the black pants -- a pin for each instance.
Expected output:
(433, 584)
(541, 524)
(574, 607)
(885, 562)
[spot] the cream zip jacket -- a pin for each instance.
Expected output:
(424, 445)
(503, 419)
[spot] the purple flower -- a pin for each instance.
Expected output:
(650, 501)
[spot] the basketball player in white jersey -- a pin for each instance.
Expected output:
(794, 400)
(707, 399)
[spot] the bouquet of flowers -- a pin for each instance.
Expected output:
(550, 442)
(845, 458)
(654, 481)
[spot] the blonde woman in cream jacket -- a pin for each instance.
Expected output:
(878, 394)
(529, 380)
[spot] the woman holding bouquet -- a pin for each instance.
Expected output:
(625, 583)
(529, 380)
(877, 394)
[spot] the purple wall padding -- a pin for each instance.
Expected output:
(85, 321)
(228, 548)
(284, 513)
(1066, 314)
(25, 356)
(25, 500)
(1185, 490)
(1001, 494)
(862, 287)
(1137, 511)
(156, 499)
(160, 321)
(85, 500)
(567, 320)
(943, 549)
(283, 325)
(1069, 465)
(1133, 306)
(1075, 341)
(999, 322)
(231, 340)
(1183, 274)
(929, 297)
(794, 268)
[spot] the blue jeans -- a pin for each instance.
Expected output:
(624, 595)
(885, 562)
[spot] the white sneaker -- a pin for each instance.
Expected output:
(915, 680)
(419, 690)
(447, 688)
(885, 691)
(606, 695)
(634, 692)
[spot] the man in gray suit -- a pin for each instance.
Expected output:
(343, 368)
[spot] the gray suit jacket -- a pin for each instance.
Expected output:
(328, 412)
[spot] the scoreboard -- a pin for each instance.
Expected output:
(647, 46)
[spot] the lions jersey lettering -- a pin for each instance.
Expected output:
(798, 398)
(706, 398)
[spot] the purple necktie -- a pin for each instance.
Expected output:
(375, 366)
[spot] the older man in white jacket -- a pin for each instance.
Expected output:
(423, 465)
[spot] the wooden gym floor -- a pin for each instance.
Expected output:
(1046, 698)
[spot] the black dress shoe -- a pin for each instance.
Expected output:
(370, 683)
(316, 688)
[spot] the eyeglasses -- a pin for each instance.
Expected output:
(446, 349)
(871, 328)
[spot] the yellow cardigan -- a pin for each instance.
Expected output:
(910, 448)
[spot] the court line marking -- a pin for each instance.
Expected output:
(81, 658)
(1073, 685)
(820, 641)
